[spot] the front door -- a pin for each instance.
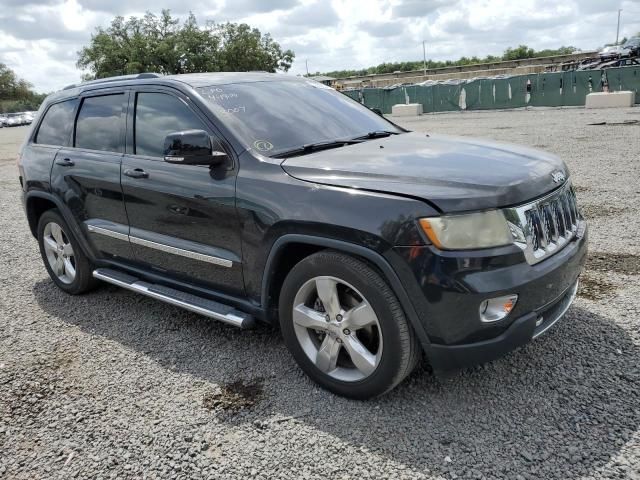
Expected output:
(182, 217)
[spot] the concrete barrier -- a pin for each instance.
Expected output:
(410, 110)
(611, 99)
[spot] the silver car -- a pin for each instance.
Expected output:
(610, 52)
(14, 120)
(28, 117)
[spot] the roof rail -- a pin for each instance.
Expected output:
(135, 76)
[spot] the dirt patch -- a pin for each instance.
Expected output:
(624, 263)
(234, 396)
(593, 287)
(25, 393)
(592, 211)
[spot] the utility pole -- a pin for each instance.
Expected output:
(306, 62)
(618, 29)
(424, 58)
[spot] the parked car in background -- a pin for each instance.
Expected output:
(28, 117)
(631, 48)
(610, 52)
(3, 119)
(14, 119)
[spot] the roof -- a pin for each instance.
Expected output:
(193, 80)
(219, 78)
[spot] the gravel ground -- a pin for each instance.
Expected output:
(114, 385)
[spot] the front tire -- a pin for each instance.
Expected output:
(345, 327)
(66, 263)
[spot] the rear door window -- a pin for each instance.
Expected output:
(99, 124)
(57, 124)
(157, 115)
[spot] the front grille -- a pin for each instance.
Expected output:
(542, 227)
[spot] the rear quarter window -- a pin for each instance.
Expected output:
(57, 124)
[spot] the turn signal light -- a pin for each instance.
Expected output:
(495, 309)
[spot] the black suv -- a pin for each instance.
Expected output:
(632, 47)
(252, 196)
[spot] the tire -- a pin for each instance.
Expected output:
(66, 263)
(330, 351)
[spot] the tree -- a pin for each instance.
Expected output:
(518, 53)
(510, 54)
(16, 94)
(161, 44)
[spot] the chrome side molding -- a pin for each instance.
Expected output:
(107, 233)
(103, 229)
(181, 252)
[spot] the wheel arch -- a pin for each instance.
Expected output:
(278, 265)
(36, 203)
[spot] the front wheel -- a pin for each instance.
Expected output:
(345, 327)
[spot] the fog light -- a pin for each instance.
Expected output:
(497, 308)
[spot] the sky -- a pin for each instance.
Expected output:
(40, 39)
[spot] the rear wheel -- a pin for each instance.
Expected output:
(345, 327)
(65, 262)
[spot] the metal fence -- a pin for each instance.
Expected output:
(538, 90)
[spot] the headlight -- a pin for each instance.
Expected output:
(468, 231)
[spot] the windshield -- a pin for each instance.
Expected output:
(274, 117)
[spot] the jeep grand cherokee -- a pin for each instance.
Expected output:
(252, 196)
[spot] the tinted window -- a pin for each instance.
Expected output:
(99, 124)
(57, 123)
(276, 116)
(158, 114)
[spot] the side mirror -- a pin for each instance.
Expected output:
(193, 147)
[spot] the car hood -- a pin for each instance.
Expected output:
(454, 174)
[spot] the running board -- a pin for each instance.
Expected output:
(193, 303)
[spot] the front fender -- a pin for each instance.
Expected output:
(357, 250)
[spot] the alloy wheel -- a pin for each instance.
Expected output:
(337, 328)
(59, 252)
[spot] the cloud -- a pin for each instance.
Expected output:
(305, 18)
(118, 7)
(247, 7)
(382, 29)
(39, 38)
(313, 15)
(418, 8)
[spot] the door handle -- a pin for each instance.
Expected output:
(65, 162)
(136, 173)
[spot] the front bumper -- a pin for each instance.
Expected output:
(447, 288)
(520, 332)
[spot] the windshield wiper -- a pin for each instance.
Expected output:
(314, 147)
(376, 134)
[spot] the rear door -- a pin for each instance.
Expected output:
(86, 174)
(53, 132)
(182, 217)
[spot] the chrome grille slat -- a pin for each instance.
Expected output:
(546, 224)
(558, 217)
